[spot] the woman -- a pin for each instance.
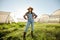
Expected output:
(30, 16)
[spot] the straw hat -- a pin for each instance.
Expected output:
(30, 8)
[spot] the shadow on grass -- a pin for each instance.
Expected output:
(58, 36)
(34, 37)
(13, 38)
(24, 38)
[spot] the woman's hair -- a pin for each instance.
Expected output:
(31, 12)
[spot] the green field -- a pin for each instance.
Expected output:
(42, 31)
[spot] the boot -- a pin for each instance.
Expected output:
(24, 35)
(32, 34)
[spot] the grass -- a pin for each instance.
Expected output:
(42, 31)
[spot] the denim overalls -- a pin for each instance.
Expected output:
(30, 22)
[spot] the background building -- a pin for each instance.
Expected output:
(5, 17)
(53, 18)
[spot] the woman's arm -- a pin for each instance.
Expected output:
(25, 16)
(34, 15)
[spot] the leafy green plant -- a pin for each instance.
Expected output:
(42, 31)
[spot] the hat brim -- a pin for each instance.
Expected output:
(30, 8)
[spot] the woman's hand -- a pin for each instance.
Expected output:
(33, 17)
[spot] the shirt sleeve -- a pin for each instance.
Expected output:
(34, 15)
(25, 15)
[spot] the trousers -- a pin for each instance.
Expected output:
(31, 22)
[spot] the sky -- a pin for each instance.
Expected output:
(19, 7)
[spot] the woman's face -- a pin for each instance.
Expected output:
(30, 10)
